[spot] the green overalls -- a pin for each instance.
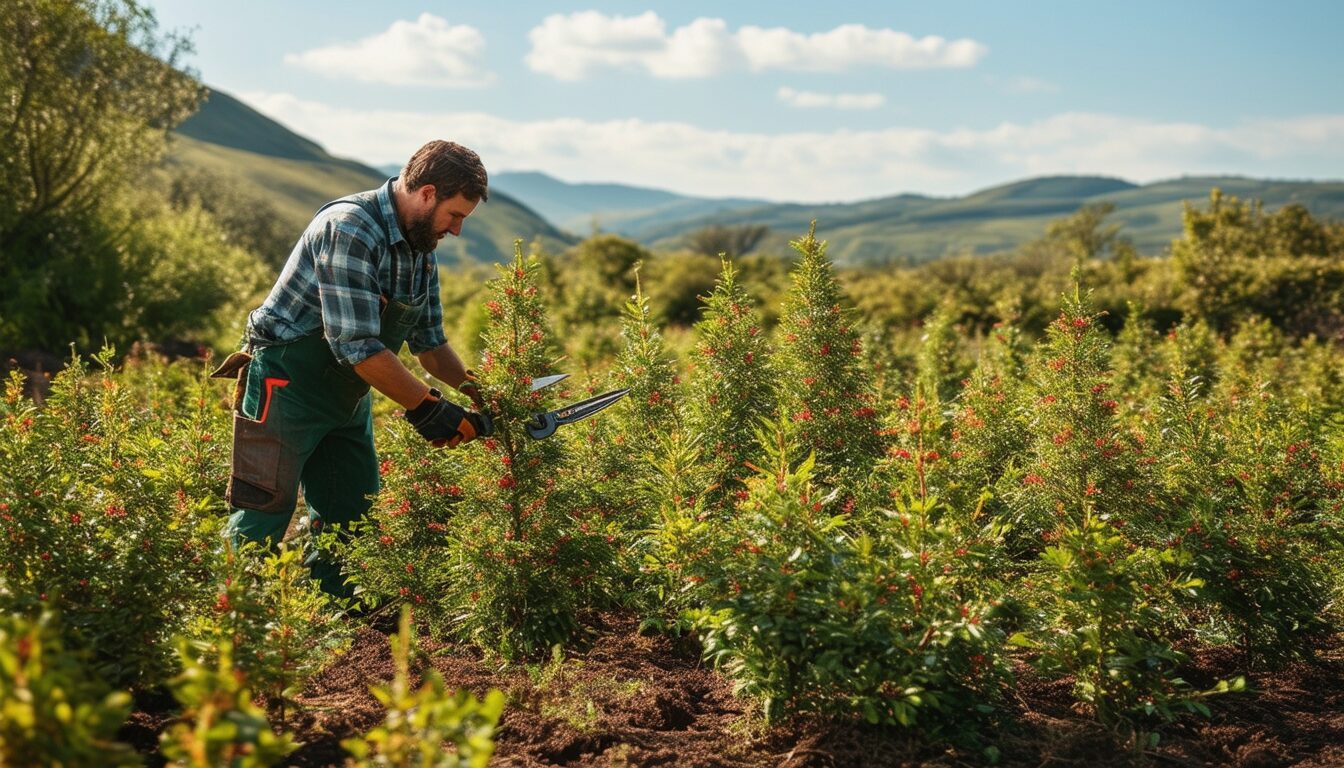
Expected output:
(302, 419)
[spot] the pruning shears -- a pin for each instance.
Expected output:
(543, 425)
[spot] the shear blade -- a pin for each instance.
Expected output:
(544, 424)
(541, 382)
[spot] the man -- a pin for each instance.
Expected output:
(361, 280)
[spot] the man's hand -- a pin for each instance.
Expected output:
(469, 388)
(445, 423)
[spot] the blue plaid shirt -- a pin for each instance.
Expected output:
(335, 276)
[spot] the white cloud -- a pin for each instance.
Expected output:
(571, 47)
(428, 51)
(811, 100)
(853, 45)
(837, 165)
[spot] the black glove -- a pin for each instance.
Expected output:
(442, 422)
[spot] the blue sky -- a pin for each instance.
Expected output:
(806, 102)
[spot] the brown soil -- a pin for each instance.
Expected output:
(633, 700)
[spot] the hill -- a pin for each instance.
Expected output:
(296, 175)
(913, 228)
(620, 208)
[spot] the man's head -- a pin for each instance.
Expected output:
(441, 185)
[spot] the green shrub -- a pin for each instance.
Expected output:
(812, 617)
(219, 724)
(419, 722)
(52, 711)
(112, 506)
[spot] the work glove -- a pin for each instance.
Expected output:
(443, 422)
(471, 389)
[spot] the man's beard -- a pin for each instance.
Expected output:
(420, 235)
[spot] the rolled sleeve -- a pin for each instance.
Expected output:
(428, 333)
(347, 281)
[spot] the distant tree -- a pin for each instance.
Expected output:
(1234, 261)
(248, 220)
(725, 240)
(88, 92)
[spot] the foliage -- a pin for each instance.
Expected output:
(275, 617)
(52, 711)
(113, 507)
(219, 724)
(1235, 260)
(828, 391)
(505, 536)
(815, 617)
(733, 386)
(419, 722)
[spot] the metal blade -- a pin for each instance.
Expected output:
(541, 382)
(544, 425)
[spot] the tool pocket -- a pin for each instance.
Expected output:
(257, 481)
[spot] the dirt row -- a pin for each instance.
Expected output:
(635, 700)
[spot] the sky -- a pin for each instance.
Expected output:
(803, 102)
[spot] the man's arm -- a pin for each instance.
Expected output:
(385, 373)
(444, 364)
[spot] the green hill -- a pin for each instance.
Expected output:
(912, 228)
(619, 208)
(295, 175)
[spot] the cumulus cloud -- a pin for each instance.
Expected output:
(573, 46)
(811, 100)
(428, 51)
(828, 166)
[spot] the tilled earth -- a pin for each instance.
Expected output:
(634, 700)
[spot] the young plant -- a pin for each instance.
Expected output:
(733, 385)
(419, 722)
(827, 390)
(812, 617)
(52, 711)
(503, 535)
(219, 724)
(277, 620)
(103, 502)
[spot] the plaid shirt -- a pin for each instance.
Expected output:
(333, 280)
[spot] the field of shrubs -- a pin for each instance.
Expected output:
(847, 524)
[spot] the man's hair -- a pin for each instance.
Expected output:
(450, 167)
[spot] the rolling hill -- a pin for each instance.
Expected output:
(619, 208)
(231, 140)
(913, 229)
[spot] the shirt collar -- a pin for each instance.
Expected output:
(389, 208)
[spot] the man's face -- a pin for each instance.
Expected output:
(436, 219)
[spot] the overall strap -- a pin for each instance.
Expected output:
(373, 209)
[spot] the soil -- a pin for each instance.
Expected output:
(635, 700)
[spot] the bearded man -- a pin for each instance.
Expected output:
(361, 281)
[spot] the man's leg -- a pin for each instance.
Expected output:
(339, 479)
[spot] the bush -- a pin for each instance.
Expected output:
(505, 537)
(52, 711)
(827, 390)
(219, 724)
(113, 507)
(812, 616)
(420, 722)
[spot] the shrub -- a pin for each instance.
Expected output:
(827, 391)
(52, 711)
(106, 504)
(732, 386)
(812, 617)
(419, 722)
(503, 535)
(281, 626)
(219, 724)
